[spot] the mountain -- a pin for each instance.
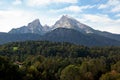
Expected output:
(66, 29)
(71, 23)
(7, 37)
(34, 27)
(61, 35)
(47, 28)
(108, 34)
(76, 37)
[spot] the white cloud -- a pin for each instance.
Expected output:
(14, 18)
(112, 5)
(78, 8)
(97, 18)
(118, 15)
(65, 1)
(73, 9)
(46, 2)
(17, 2)
(102, 6)
(101, 22)
(116, 9)
(109, 4)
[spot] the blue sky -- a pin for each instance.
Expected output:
(99, 14)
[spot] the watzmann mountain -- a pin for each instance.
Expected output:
(33, 27)
(64, 22)
(66, 29)
(71, 23)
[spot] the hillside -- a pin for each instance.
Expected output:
(41, 60)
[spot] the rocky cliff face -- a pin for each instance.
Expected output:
(71, 23)
(33, 27)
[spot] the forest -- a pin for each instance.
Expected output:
(43, 60)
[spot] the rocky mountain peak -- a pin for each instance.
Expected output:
(36, 21)
(65, 17)
(65, 22)
(68, 22)
(32, 27)
(35, 24)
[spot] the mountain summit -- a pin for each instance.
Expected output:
(71, 23)
(64, 22)
(33, 27)
(66, 29)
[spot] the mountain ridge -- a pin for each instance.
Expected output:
(32, 27)
(76, 37)
(71, 23)
(66, 29)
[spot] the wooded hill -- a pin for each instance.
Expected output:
(43, 60)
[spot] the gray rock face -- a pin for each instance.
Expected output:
(33, 27)
(71, 23)
(47, 28)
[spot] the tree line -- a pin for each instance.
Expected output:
(43, 60)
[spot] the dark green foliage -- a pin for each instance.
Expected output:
(35, 60)
(8, 71)
(111, 76)
(71, 72)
